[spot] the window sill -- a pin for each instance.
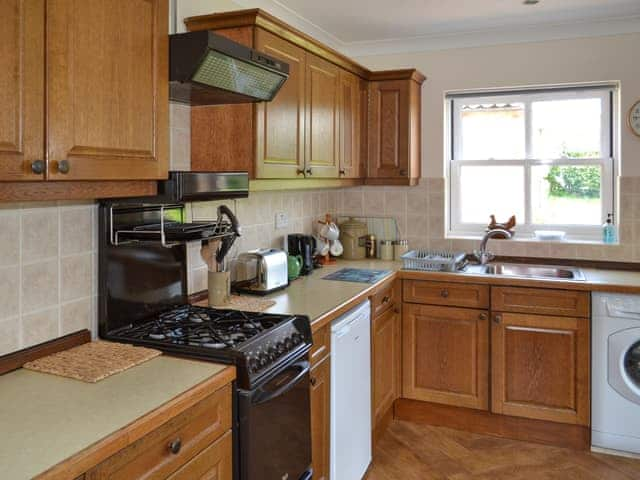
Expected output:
(525, 239)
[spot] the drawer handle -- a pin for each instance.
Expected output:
(386, 299)
(497, 318)
(313, 381)
(300, 171)
(483, 316)
(175, 446)
(309, 172)
(444, 293)
(396, 310)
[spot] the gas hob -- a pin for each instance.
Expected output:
(257, 343)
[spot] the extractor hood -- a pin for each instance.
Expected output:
(208, 69)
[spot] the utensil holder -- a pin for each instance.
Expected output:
(219, 284)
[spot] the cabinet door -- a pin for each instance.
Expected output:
(107, 89)
(350, 125)
(320, 418)
(389, 129)
(322, 136)
(445, 355)
(21, 89)
(386, 361)
(540, 367)
(280, 123)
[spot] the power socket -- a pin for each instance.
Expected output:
(282, 220)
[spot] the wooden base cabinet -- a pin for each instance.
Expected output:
(386, 345)
(321, 419)
(540, 367)
(445, 355)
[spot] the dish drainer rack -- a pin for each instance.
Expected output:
(167, 232)
(433, 260)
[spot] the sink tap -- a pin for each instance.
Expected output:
(481, 254)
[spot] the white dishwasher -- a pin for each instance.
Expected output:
(351, 394)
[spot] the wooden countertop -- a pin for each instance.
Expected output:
(48, 419)
(323, 300)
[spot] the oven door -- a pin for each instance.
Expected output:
(275, 427)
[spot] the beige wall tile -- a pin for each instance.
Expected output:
(9, 291)
(39, 327)
(353, 202)
(76, 316)
(373, 201)
(395, 201)
(40, 285)
(76, 229)
(76, 277)
(10, 239)
(9, 335)
(39, 234)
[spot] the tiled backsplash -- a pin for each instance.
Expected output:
(47, 271)
(256, 214)
(420, 212)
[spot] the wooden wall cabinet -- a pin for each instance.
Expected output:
(84, 92)
(446, 355)
(394, 128)
(318, 124)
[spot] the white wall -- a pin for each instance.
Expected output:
(613, 58)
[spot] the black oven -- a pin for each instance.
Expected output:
(274, 426)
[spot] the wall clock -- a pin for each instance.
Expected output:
(634, 118)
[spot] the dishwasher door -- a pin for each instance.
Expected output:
(351, 394)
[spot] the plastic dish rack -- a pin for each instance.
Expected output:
(432, 260)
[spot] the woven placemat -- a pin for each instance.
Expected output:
(93, 361)
(246, 303)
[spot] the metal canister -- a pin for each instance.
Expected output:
(400, 247)
(386, 250)
(371, 246)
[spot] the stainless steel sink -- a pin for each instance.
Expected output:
(545, 272)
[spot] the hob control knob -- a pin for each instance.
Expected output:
(253, 364)
(288, 343)
(280, 347)
(263, 359)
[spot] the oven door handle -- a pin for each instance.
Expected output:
(262, 396)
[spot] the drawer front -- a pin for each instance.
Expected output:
(172, 445)
(385, 299)
(321, 345)
(213, 463)
(541, 301)
(449, 294)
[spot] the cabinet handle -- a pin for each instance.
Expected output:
(396, 310)
(64, 166)
(497, 318)
(300, 171)
(175, 446)
(37, 167)
(313, 381)
(403, 173)
(482, 316)
(444, 293)
(309, 172)
(386, 299)
(342, 172)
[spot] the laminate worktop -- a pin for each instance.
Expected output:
(322, 300)
(46, 419)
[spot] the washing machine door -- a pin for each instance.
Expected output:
(624, 363)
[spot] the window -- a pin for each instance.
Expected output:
(545, 156)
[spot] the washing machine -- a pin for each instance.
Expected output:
(615, 372)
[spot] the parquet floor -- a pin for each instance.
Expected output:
(409, 451)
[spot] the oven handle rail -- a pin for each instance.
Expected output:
(262, 396)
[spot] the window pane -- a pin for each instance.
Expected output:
(491, 190)
(566, 195)
(567, 128)
(492, 131)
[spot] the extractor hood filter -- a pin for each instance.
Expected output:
(207, 69)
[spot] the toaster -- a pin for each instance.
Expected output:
(261, 271)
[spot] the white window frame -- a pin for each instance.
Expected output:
(608, 95)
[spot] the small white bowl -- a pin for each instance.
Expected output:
(550, 235)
